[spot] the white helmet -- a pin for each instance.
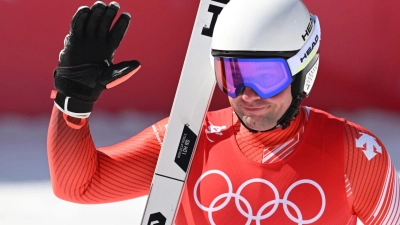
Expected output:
(265, 29)
(261, 25)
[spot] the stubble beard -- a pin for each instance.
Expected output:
(259, 123)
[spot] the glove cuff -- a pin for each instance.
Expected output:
(71, 106)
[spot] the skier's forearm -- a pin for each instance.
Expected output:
(83, 174)
(72, 158)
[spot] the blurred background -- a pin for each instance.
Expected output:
(356, 80)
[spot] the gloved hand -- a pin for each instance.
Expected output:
(85, 65)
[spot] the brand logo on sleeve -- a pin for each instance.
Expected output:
(212, 129)
(369, 145)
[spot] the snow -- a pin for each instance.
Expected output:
(25, 190)
(33, 203)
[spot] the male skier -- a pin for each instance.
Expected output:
(265, 160)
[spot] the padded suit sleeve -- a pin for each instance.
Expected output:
(373, 187)
(83, 174)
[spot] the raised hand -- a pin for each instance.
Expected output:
(85, 66)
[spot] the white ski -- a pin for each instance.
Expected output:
(194, 92)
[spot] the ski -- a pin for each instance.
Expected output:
(192, 98)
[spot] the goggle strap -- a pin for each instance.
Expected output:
(308, 51)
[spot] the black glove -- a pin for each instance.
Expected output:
(85, 65)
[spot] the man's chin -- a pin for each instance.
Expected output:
(256, 124)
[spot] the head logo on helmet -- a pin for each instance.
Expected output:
(308, 30)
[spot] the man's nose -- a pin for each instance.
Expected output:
(249, 95)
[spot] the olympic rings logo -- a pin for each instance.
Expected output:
(259, 216)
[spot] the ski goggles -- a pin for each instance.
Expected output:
(266, 76)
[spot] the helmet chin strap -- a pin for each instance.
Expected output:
(290, 114)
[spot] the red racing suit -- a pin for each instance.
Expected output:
(320, 170)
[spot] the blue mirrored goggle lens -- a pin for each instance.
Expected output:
(266, 76)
